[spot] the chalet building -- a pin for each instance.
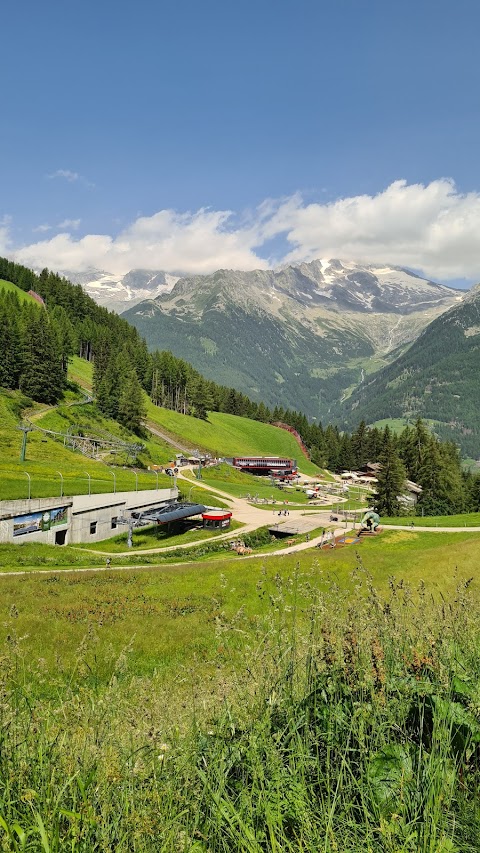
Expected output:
(369, 475)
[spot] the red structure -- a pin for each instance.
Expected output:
(215, 518)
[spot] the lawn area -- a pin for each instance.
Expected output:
(85, 419)
(201, 495)
(46, 457)
(239, 485)
(156, 537)
(471, 519)
(176, 604)
(12, 288)
(81, 372)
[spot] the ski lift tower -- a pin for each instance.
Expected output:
(25, 428)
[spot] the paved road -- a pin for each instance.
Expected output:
(418, 528)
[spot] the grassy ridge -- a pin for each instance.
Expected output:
(221, 435)
(230, 435)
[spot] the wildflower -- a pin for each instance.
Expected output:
(28, 795)
(164, 748)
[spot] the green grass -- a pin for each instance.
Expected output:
(229, 435)
(156, 537)
(397, 425)
(12, 288)
(81, 372)
(201, 495)
(47, 457)
(470, 519)
(221, 435)
(236, 483)
(409, 555)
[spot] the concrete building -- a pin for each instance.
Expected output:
(81, 518)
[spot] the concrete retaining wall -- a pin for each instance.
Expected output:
(81, 518)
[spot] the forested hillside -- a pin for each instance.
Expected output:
(437, 378)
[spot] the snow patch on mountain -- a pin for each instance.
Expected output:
(120, 293)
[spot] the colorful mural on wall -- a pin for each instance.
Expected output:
(39, 521)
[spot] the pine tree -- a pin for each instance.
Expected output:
(10, 350)
(360, 445)
(131, 405)
(391, 478)
(65, 332)
(41, 377)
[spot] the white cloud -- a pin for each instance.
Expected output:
(187, 242)
(69, 176)
(69, 223)
(433, 228)
(41, 229)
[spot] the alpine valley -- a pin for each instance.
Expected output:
(438, 379)
(302, 336)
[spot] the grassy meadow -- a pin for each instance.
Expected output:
(320, 701)
(157, 537)
(46, 456)
(414, 557)
(226, 478)
(467, 519)
(192, 701)
(81, 372)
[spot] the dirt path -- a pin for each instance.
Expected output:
(165, 437)
(291, 549)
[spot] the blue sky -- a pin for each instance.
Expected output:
(132, 129)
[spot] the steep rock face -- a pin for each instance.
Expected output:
(302, 335)
(437, 378)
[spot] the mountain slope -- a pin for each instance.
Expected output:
(437, 378)
(299, 336)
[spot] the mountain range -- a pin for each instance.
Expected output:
(301, 336)
(338, 340)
